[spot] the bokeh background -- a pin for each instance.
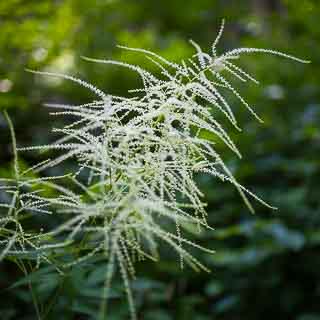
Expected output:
(267, 265)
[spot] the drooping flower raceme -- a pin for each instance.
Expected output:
(136, 158)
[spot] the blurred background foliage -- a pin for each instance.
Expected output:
(267, 264)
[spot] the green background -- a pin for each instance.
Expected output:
(266, 265)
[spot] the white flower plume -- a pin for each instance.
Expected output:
(139, 156)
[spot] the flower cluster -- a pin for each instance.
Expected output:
(136, 159)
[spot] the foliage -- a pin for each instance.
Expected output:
(268, 259)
